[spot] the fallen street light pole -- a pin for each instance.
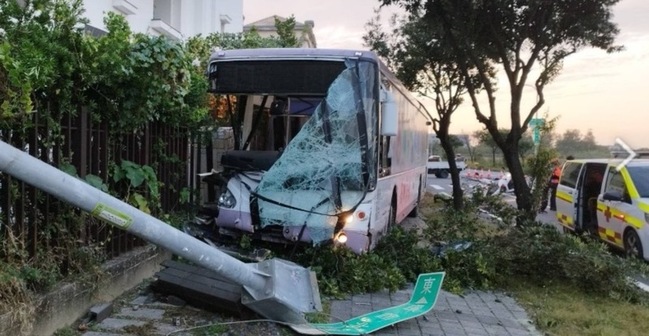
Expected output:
(276, 289)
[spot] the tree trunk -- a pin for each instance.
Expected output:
(493, 156)
(470, 150)
(458, 197)
(445, 142)
(521, 188)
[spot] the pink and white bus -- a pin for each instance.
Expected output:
(329, 146)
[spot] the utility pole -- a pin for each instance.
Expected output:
(277, 289)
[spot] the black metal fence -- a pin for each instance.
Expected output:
(91, 148)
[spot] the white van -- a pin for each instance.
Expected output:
(594, 197)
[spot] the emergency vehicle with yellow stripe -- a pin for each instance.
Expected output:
(593, 196)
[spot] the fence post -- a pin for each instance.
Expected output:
(83, 141)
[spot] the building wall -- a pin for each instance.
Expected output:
(139, 21)
(180, 18)
(211, 16)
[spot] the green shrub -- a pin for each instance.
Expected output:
(497, 256)
(542, 255)
(341, 272)
(535, 253)
(402, 249)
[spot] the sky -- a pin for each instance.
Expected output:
(595, 90)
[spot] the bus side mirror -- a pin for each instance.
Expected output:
(389, 114)
(612, 196)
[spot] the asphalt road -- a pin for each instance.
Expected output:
(437, 185)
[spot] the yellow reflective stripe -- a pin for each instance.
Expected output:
(644, 207)
(564, 219)
(636, 222)
(633, 192)
(564, 196)
(610, 235)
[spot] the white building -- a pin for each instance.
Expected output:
(177, 19)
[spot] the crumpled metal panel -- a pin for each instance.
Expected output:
(325, 169)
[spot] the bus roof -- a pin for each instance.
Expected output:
(261, 53)
(292, 52)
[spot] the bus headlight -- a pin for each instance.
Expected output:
(227, 200)
(341, 238)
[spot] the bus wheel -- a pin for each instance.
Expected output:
(632, 244)
(443, 174)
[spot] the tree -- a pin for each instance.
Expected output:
(286, 32)
(548, 139)
(589, 140)
(455, 141)
(525, 145)
(516, 37)
(427, 68)
(485, 139)
(466, 139)
(570, 141)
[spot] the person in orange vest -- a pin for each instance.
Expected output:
(551, 188)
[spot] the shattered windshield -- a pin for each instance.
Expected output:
(329, 165)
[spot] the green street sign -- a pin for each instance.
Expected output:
(423, 299)
(536, 136)
(535, 124)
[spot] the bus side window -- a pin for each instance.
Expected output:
(570, 174)
(615, 182)
(386, 161)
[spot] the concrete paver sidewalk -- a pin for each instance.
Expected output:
(476, 313)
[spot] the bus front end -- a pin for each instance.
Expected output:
(304, 123)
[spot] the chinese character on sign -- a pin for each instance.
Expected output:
(388, 316)
(536, 124)
(428, 284)
(413, 308)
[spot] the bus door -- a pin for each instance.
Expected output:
(611, 214)
(568, 195)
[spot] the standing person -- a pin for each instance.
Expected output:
(551, 188)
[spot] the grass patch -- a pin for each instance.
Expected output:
(215, 329)
(566, 310)
(428, 207)
(322, 316)
(143, 330)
